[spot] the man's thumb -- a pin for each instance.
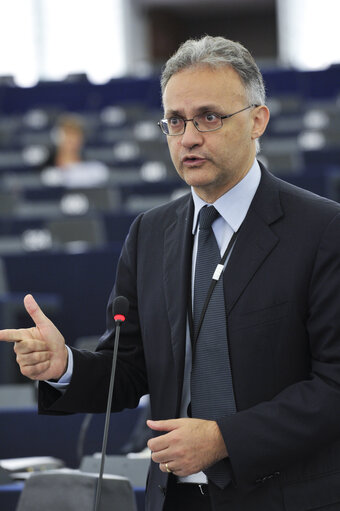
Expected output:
(34, 311)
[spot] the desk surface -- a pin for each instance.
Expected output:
(10, 493)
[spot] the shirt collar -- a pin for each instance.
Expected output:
(234, 204)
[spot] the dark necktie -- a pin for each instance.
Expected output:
(212, 393)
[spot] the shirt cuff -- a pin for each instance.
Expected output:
(65, 380)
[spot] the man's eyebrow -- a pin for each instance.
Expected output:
(209, 108)
(204, 108)
(173, 113)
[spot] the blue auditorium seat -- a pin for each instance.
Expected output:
(320, 84)
(25, 433)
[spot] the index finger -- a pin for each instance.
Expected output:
(13, 335)
(158, 444)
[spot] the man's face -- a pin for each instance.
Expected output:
(212, 162)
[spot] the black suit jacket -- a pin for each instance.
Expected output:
(282, 295)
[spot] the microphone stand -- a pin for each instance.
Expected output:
(108, 411)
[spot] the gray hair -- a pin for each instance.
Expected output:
(217, 52)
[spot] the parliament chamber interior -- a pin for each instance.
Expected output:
(61, 240)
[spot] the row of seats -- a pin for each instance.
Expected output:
(83, 95)
(43, 218)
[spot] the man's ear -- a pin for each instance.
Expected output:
(261, 117)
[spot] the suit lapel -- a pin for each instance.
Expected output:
(177, 278)
(255, 241)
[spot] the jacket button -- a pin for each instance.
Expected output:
(260, 480)
(266, 478)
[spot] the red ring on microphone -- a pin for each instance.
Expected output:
(119, 317)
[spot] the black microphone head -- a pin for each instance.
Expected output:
(120, 306)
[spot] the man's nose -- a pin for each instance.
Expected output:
(191, 135)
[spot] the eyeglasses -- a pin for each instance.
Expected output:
(207, 121)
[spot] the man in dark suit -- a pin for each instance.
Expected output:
(279, 449)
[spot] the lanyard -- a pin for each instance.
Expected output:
(214, 279)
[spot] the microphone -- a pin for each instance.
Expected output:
(120, 308)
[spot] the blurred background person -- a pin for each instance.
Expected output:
(65, 164)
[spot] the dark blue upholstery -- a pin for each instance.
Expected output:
(25, 433)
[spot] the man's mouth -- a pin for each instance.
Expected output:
(192, 161)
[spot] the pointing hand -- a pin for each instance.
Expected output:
(40, 350)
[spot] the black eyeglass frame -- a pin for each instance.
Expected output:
(193, 119)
